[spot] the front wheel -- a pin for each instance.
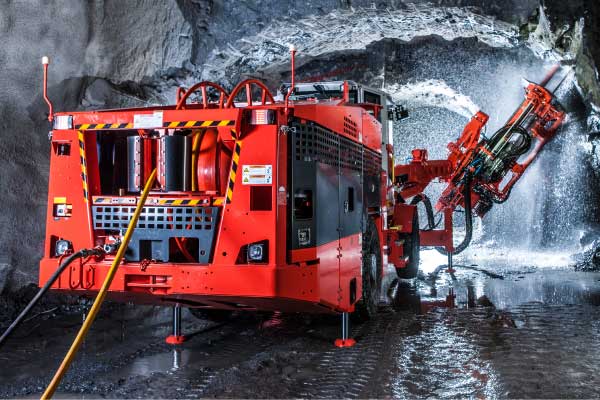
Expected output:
(366, 308)
(412, 249)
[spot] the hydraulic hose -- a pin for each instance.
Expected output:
(468, 222)
(422, 198)
(72, 257)
(101, 294)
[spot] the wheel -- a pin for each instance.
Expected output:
(210, 314)
(366, 308)
(406, 296)
(412, 248)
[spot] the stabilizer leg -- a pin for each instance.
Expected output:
(345, 341)
(450, 269)
(176, 337)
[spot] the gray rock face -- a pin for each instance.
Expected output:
(589, 260)
(112, 53)
(573, 27)
(131, 40)
(4, 270)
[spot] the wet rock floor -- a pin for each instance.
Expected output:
(525, 332)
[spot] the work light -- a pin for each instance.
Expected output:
(257, 252)
(62, 246)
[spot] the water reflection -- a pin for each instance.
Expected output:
(176, 359)
(470, 286)
(551, 287)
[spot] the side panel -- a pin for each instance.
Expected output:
(350, 271)
(326, 205)
(350, 202)
(242, 224)
(316, 225)
(328, 171)
(350, 215)
(72, 182)
(314, 205)
(372, 178)
(329, 273)
(328, 202)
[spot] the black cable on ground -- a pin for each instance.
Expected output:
(80, 254)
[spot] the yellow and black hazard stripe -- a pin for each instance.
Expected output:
(161, 202)
(179, 202)
(83, 162)
(234, 167)
(117, 201)
(172, 124)
(198, 124)
(92, 127)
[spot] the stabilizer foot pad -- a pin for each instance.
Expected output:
(172, 339)
(344, 342)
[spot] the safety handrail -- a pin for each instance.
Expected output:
(182, 94)
(248, 85)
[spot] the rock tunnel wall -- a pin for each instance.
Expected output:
(113, 53)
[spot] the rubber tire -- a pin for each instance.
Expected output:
(412, 248)
(213, 315)
(367, 306)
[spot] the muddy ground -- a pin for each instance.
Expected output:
(521, 331)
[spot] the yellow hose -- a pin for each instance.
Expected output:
(195, 144)
(101, 294)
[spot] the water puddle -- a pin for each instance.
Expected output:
(162, 362)
(552, 287)
(492, 283)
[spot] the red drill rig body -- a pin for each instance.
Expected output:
(259, 204)
(263, 204)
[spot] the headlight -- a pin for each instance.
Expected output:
(62, 246)
(63, 122)
(258, 252)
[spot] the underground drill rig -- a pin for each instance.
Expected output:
(255, 203)
(241, 201)
(290, 204)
